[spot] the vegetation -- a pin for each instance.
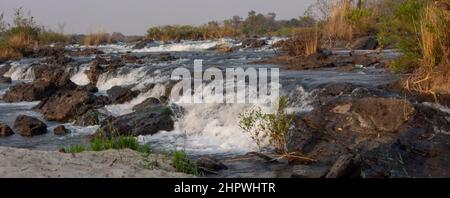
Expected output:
(273, 126)
(183, 164)
(23, 34)
(254, 25)
(101, 144)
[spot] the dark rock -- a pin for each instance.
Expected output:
(5, 80)
(138, 123)
(29, 126)
(94, 72)
(365, 43)
(56, 74)
(5, 130)
(33, 91)
(253, 43)
(143, 44)
(147, 104)
(90, 88)
(91, 117)
(4, 69)
(346, 166)
(309, 171)
(119, 95)
(115, 64)
(66, 105)
(210, 164)
(60, 130)
(345, 125)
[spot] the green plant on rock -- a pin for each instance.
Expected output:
(273, 126)
(182, 163)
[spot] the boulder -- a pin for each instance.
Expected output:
(138, 123)
(119, 95)
(56, 74)
(91, 117)
(346, 125)
(143, 44)
(94, 72)
(5, 130)
(5, 80)
(60, 130)
(65, 105)
(345, 166)
(147, 104)
(33, 91)
(253, 43)
(29, 126)
(210, 164)
(365, 43)
(309, 171)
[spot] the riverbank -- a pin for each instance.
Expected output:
(25, 163)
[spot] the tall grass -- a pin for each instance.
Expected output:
(338, 27)
(182, 163)
(303, 42)
(434, 40)
(98, 38)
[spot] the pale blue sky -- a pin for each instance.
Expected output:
(135, 16)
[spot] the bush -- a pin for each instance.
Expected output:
(100, 38)
(273, 126)
(182, 164)
(303, 42)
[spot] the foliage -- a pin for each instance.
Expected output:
(273, 126)
(101, 144)
(183, 164)
(255, 24)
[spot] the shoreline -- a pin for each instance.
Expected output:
(26, 163)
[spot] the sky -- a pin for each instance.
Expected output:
(134, 17)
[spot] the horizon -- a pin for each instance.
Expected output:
(86, 17)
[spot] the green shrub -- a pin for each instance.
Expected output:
(121, 142)
(273, 126)
(182, 163)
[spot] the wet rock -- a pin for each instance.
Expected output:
(29, 126)
(138, 123)
(365, 43)
(33, 91)
(253, 43)
(163, 57)
(56, 74)
(143, 44)
(147, 104)
(349, 125)
(309, 171)
(209, 164)
(119, 95)
(115, 64)
(5, 80)
(345, 166)
(91, 117)
(66, 105)
(60, 130)
(5, 130)
(94, 72)
(4, 69)
(90, 88)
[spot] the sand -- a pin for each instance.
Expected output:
(25, 163)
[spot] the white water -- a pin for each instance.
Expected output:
(80, 78)
(20, 71)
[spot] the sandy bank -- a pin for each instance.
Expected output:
(113, 163)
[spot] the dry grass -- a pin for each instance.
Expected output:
(20, 41)
(303, 42)
(337, 26)
(433, 76)
(98, 38)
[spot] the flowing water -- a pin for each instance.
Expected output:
(201, 128)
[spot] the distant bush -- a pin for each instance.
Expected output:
(99, 38)
(24, 34)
